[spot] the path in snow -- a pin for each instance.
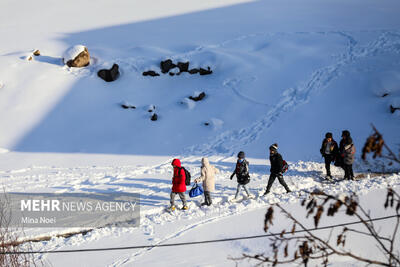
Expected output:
(154, 184)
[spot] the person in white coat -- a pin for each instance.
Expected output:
(208, 172)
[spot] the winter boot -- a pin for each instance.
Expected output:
(233, 200)
(266, 193)
(172, 208)
(185, 207)
(208, 200)
(288, 190)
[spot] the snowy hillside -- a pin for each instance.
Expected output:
(282, 71)
(270, 78)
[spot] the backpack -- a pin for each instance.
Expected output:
(285, 166)
(243, 180)
(243, 176)
(187, 175)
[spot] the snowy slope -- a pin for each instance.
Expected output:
(265, 72)
(283, 71)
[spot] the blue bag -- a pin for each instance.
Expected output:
(196, 190)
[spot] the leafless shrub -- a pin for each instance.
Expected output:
(307, 245)
(10, 249)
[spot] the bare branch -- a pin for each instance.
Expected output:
(335, 251)
(368, 234)
(309, 246)
(394, 238)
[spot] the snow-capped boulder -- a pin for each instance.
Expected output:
(189, 103)
(151, 108)
(197, 96)
(76, 56)
(126, 105)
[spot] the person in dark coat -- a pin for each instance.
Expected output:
(242, 174)
(178, 184)
(347, 152)
(329, 150)
(276, 169)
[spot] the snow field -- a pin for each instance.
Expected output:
(154, 185)
(283, 71)
(251, 77)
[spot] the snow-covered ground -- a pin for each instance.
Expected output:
(283, 71)
(151, 178)
(281, 74)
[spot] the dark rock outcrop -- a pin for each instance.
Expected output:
(183, 66)
(109, 75)
(393, 109)
(199, 97)
(205, 72)
(154, 117)
(193, 71)
(126, 106)
(150, 73)
(201, 71)
(166, 66)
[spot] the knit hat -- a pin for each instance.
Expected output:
(241, 155)
(273, 147)
(328, 135)
(346, 133)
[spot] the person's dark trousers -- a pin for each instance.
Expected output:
(271, 180)
(328, 160)
(181, 195)
(207, 198)
(348, 171)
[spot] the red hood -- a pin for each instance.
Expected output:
(176, 163)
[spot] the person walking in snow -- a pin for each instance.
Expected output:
(276, 169)
(208, 172)
(329, 150)
(242, 174)
(178, 184)
(347, 152)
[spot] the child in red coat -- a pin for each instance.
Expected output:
(178, 184)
